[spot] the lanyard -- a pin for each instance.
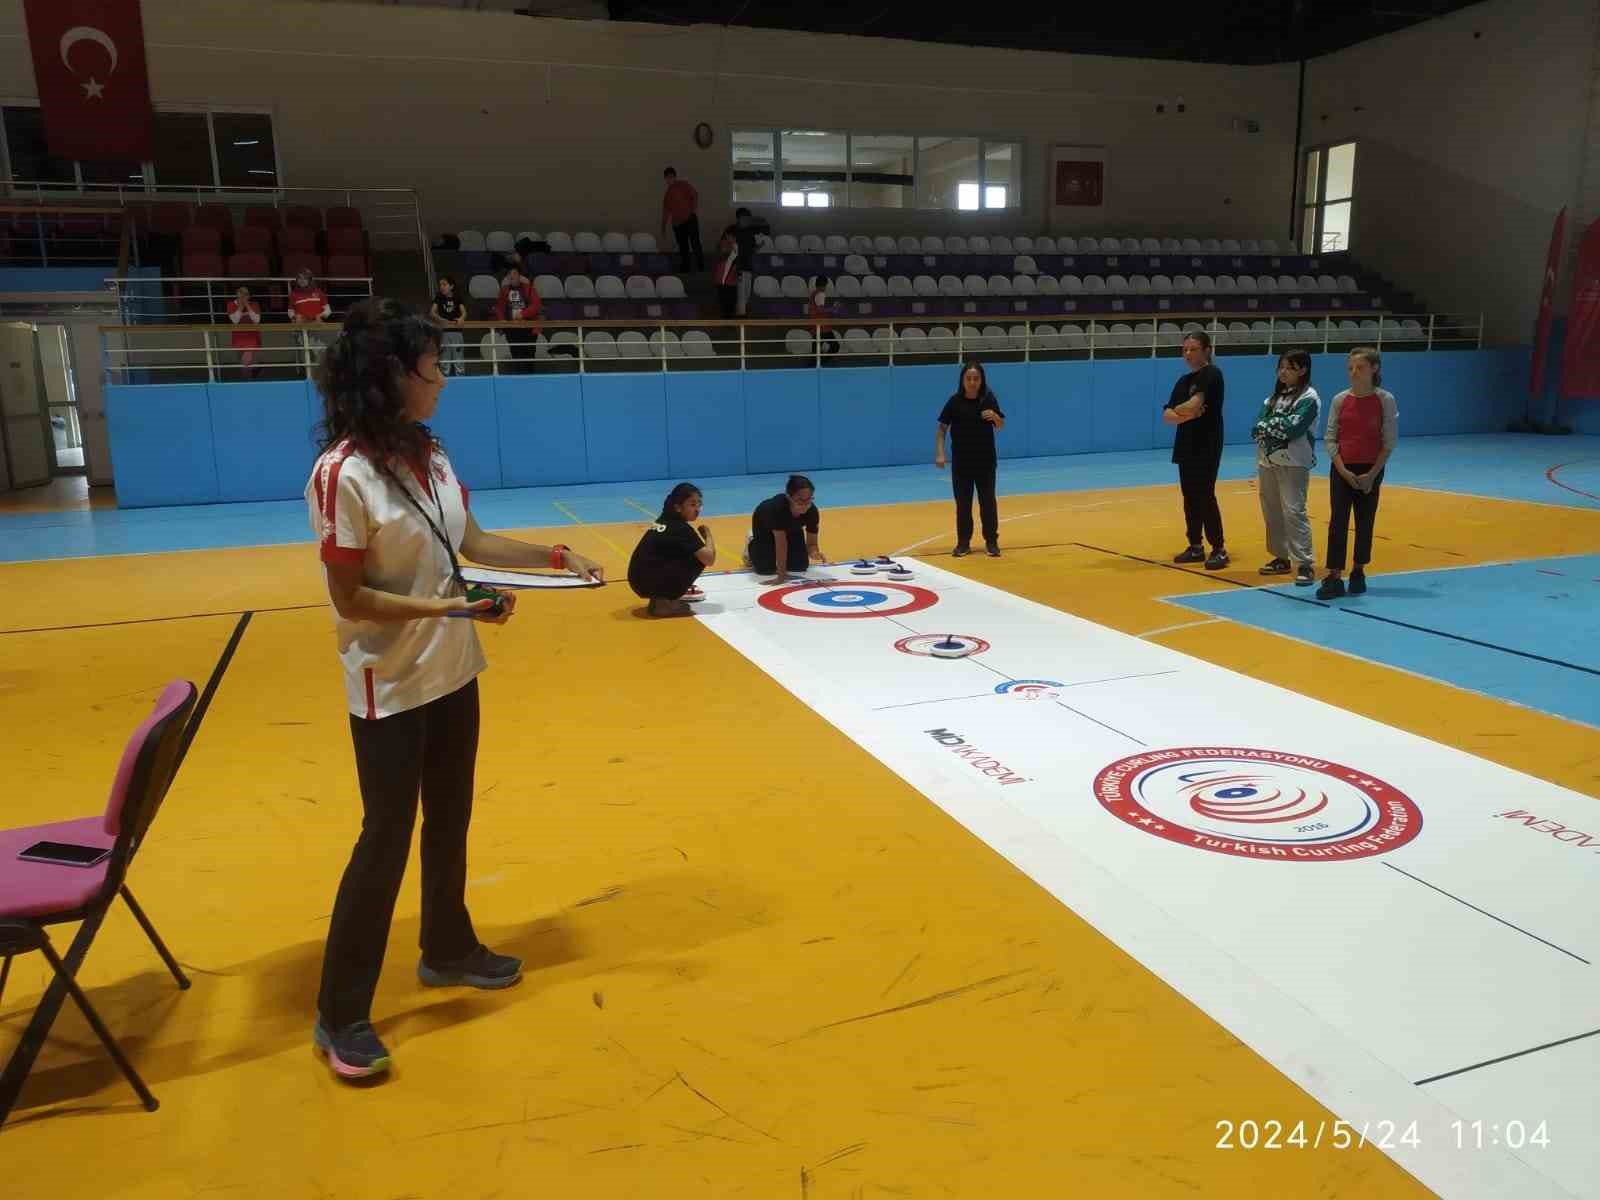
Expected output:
(438, 530)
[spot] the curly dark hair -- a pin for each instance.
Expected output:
(359, 378)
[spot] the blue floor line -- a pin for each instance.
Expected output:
(1527, 632)
(1503, 466)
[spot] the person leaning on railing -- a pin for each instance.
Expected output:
(308, 304)
(246, 339)
(520, 304)
(448, 311)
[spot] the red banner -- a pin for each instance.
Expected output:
(1080, 184)
(88, 64)
(1580, 359)
(1541, 338)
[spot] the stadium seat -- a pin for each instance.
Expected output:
(925, 286)
(642, 243)
(487, 287)
(1001, 244)
(1022, 245)
(836, 243)
(900, 286)
(794, 287)
(587, 243)
(215, 216)
(664, 343)
(252, 239)
(856, 341)
(956, 244)
(298, 260)
(933, 244)
(810, 244)
(978, 244)
(1045, 245)
(669, 287)
(847, 287)
(609, 287)
(250, 264)
(600, 343)
(1048, 285)
(342, 217)
(855, 264)
(697, 344)
(580, 287)
(797, 341)
(560, 243)
(1071, 285)
(766, 288)
(493, 346)
(860, 244)
(201, 239)
(549, 287)
(263, 216)
(910, 245)
(472, 240)
(529, 235)
(640, 287)
(349, 240)
(348, 266)
(1024, 264)
(499, 241)
(615, 243)
(1024, 285)
(307, 217)
(874, 287)
(632, 344)
(202, 264)
(999, 285)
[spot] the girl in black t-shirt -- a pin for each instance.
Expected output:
(971, 417)
(671, 555)
(448, 311)
(783, 532)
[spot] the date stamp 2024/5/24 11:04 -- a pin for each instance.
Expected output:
(1272, 1134)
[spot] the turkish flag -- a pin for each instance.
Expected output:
(1541, 336)
(1580, 358)
(88, 64)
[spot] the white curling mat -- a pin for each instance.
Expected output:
(1378, 915)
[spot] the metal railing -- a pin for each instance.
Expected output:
(392, 216)
(203, 299)
(64, 236)
(204, 352)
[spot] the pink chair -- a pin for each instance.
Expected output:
(34, 895)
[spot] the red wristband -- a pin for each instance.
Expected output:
(558, 556)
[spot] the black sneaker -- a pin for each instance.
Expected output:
(1358, 581)
(481, 969)
(1331, 588)
(1219, 559)
(1278, 566)
(1192, 554)
(1304, 577)
(993, 549)
(353, 1052)
(961, 551)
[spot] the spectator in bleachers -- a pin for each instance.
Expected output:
(744, 231)
(817, 312)
(671, 555)
(1195, 407)
(726, 276)
(1286, 450)
(519, 304)
(307, 301)
(971, 417)
(308, 304)
(680, 209)
(448, 311)
(245, 313)
(1363, 426)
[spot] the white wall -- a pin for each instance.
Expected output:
(521, 123)
(1470, 140)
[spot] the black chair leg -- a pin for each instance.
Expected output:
(155, 940)
(104, 1034)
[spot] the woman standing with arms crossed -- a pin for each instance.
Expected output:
(971, 417)
(391, 518)
(1363, 426)
(1195, 407)
(1286, 451)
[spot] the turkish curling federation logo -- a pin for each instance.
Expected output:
(1030, 689)
(1258, 804)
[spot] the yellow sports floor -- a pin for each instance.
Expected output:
(758, 963)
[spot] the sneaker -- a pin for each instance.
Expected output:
(1192, 554)
(992, 548)
(1358, 581)
(1219, 559)
(961, 551)
(694, 595)
(1278, 566)
(483, 968)
(1331, 589)
(353, 1052)
(1304, 576)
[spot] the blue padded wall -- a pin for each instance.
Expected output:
(541, 430)
(1060, 396)
(259, 432)
(625, 423)
(782, 432)
(161, 444)
(465, 423)
(705, 424)
(857, 417)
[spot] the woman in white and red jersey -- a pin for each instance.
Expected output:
(393, 521)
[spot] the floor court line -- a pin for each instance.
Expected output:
(157, 620)
(1490, 1062)
(1490, 915)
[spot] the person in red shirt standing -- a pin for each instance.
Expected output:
(1363, 426)
(519, 303)
(680, 209)
(308, 304)
(244, 312)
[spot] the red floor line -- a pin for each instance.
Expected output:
(1551, 476)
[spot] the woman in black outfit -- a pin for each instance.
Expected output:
(971, 417)
(1195, 407)
(671, 555)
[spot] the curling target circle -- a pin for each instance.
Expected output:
(845, 601)
(922, 643)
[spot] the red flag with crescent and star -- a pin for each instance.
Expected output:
(94, 90)
(1547, 299)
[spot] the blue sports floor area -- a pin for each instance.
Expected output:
(1527, 632)
(1503, 466)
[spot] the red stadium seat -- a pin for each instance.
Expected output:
(346, 239)
(201, 239)
(252, 266)
(344, 218)
(303, 216)
(215, 216)
(264, 216)
(171, 216)
(252, 239)
(202, 264)
(296, 261)
(299, 238)
(348, 266)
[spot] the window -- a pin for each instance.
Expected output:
(1327, 199)
(882, 170)
(191, 149)
(814, 163)
(753, 174)
(815, 168)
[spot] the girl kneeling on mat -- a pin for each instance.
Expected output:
(783, 532)
(671, 555)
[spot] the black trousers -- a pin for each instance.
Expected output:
(963, 479)
(763, 550)
(728, 300)
(688, 235)
(664, 581)
(1198, 479)
(1342, 500)
(432, 749)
